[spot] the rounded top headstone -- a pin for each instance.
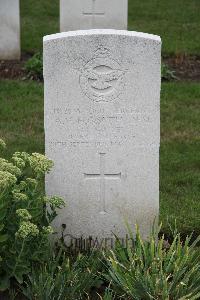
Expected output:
(101, 32)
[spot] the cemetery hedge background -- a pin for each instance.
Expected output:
(178, 24)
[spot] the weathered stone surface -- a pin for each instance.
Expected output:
(9, 29)
(90, 14)
(102, 95)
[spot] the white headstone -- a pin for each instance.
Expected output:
(102, 95)
(90, 14)
(9, 29)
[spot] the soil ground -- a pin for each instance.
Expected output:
(14, 69)
(187, 68)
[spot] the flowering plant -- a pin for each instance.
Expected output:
(24, 219)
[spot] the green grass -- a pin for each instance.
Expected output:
(38, 18)
(21, 114)
(179, 155)
(176, 21)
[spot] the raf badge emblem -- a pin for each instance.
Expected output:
(101, 79)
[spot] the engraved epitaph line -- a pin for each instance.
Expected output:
(102, 176)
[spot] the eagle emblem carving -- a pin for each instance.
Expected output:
(101, 79)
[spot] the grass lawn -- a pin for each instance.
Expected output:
(176, 21)
(21, 114)
(179, 155)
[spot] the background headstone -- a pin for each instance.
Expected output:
(102, 129)
(90, 14)
(9, 29)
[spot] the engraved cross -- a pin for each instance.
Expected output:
(93, 12)
(102, 176)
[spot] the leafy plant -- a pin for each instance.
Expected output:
(108, 295)
(150, 271)
(24, 220)
(34, 66)
(62, 278)
(166, 73)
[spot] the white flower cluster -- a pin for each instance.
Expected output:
(39, 163)
(19, 162)
(27, 229)
(22, 155)
(5, 165)
(31, 182)
(17, 196)
(47, 230)
(23, 214)
(55, 201)
(6, 180)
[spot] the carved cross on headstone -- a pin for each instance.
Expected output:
(93, 12)
(102, 176)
